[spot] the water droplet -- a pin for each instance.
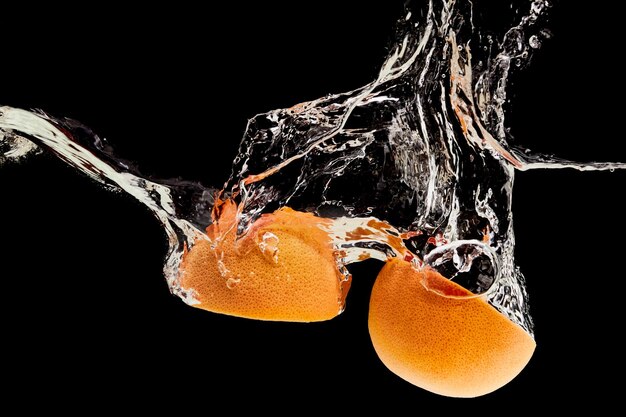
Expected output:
(232, 283)
(268, 245)
(222, 268)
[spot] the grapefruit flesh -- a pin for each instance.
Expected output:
(431, 332)
(283, 269)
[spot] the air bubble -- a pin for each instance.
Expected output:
(534, 42)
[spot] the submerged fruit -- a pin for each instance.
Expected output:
(442, 339)
(283, 269)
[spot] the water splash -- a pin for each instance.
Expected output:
(176, 206)
(426, 141)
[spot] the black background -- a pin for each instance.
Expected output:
(86, 314)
